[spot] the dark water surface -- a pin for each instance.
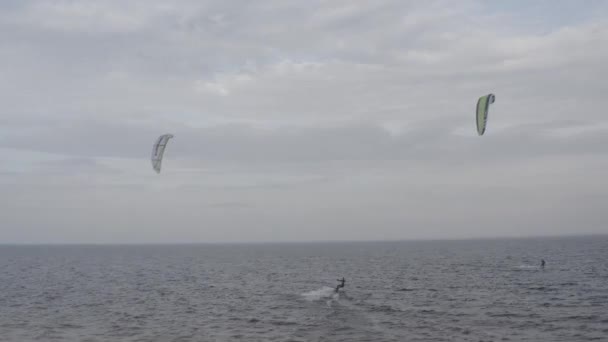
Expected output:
(482, 290)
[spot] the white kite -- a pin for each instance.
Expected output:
(158, 150)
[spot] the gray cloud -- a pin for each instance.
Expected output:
(427, 140)
(301, 120)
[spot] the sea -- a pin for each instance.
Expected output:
(465, 290)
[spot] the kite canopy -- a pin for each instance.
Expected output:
(158, 150)
(483, 104)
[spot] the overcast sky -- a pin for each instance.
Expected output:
(301, 120)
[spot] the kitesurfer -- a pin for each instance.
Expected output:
(341, 284)
(542, 263)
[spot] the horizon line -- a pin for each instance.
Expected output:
(279, 242)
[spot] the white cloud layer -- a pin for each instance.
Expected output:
(307, 120)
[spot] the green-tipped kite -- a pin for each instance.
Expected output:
(483, 104)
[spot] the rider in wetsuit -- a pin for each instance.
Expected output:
(341, 284)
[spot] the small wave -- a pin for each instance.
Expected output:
(325, 292)
(539, 288)
(503, 315)
(383, 308)
(283, 323)
(430, 311)
(583, 317)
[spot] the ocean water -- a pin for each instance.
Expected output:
(477, 290)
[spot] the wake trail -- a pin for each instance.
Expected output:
(325, 293)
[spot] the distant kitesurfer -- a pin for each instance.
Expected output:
(542, 263)
(341, 284)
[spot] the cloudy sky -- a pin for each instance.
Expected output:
(301, 120)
